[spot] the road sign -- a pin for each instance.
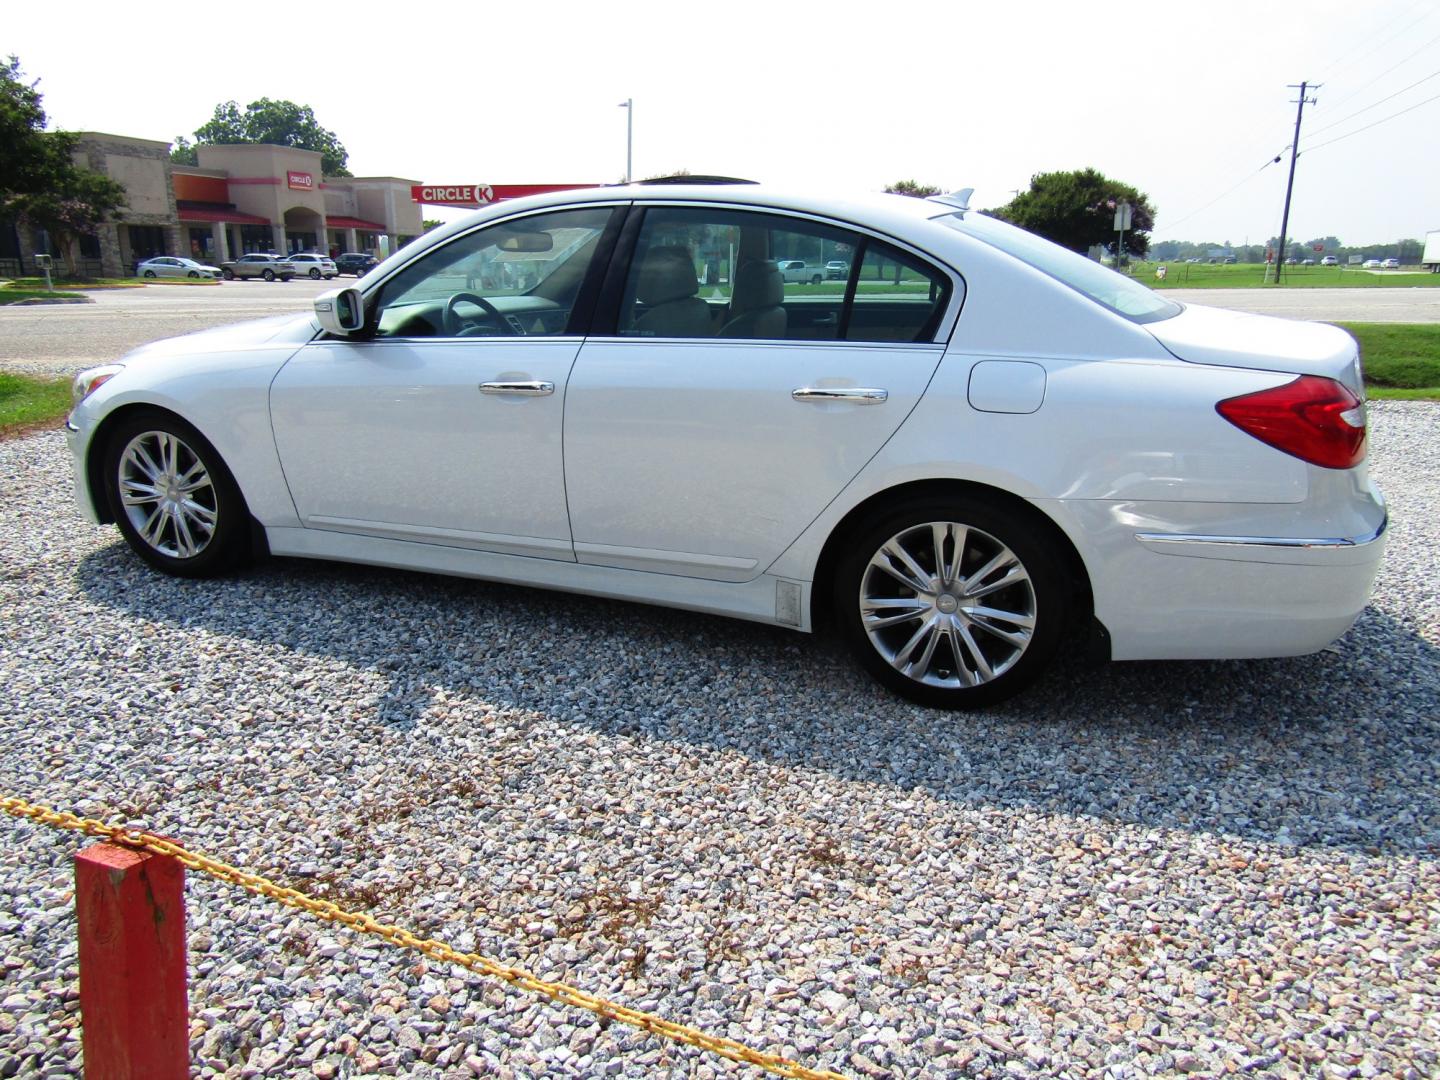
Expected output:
(1122, 217)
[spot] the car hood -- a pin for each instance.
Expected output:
(277, 330)
(1207, 335)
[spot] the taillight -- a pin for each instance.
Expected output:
(1318, 420)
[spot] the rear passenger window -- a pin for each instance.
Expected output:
(897, 297)
(746, 275)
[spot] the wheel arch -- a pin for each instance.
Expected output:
(830, 554)
(95, 463)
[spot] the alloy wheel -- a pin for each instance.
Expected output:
(947, 605)
(167, 494)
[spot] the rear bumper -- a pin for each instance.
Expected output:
(1171, 594)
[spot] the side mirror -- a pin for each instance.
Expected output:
(340, 311)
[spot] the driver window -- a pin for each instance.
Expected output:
(516, 278)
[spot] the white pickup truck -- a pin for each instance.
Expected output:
(796, 270)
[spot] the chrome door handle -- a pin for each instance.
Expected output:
(860, 395)
(525, 389)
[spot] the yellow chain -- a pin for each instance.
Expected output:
(396, 935)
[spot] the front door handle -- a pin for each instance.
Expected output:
(536, 388)
(859, 395)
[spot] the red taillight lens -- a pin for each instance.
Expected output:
(1317, 420)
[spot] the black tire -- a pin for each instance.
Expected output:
(815, 280)
(150, 273)
(193, 274)
(227, 545)
(228, 274)
(314, 273)
(268, 274)
(951, 676)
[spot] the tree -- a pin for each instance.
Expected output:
(182, 151)
(1077, 210)
(40, 184)
(910, 187)
(279, 123)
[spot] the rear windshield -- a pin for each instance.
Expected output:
(1120, 294)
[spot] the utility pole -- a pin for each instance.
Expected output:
(1289, 184)
(629, 106)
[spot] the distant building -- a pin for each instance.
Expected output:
(239, 199)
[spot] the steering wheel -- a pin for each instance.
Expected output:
(455, 325)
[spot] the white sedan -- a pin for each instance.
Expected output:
(173, 266)
(982, 450)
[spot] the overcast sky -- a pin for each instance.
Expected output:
(1185, 101)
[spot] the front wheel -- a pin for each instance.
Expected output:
(315, 274)
(268, 275)
(954, 603)
(172, 497)
(193, 274)
(228, 275)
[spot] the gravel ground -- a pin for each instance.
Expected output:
(1136, 869)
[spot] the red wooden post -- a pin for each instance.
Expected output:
(133, 1007)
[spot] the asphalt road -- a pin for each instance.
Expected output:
(67, 338)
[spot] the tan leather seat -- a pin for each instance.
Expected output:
(667, 285)
(755, 302)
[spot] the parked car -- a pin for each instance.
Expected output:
(796, 270)
(355, 262)
(837, 269)
(258, 265)
(1329, 260)
(173, 266)
(1373, 264)
(933, 469)
(1391, 264)
(1306, 262)
(313, 264)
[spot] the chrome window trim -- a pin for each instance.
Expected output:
(1286, 543)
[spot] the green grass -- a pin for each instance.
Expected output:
(1252, 275)
(14, 296)
(28, 401)
(77, 283)
(1401, 360)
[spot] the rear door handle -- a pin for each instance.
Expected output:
(536, 388)
(860, 395)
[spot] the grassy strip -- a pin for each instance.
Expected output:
(1401, 360)
(14, 296)
(28, 402)
(78, 283)
(1252, 276)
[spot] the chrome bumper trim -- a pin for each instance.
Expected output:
(1283, 543)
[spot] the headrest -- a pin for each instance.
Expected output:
(666, 273)
(758, 284)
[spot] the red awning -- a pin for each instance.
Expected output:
(230, 217)
(333, 222)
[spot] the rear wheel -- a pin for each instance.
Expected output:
(815, 280)
(149, 273)
(315, 273)
(172, 497)
(954, 603)
(268, 274)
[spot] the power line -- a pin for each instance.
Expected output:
(1372, 105)
(1367, 127)
(1346, 61)
(1387, 71)
(1230, 191)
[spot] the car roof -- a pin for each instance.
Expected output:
(883, 211)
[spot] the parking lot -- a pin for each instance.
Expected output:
(1137, 869)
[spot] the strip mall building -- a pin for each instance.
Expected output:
(238, 199)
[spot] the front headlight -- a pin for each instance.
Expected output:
(87, 382)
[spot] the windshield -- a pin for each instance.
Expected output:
(1118, 293)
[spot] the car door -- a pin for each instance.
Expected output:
(705, 450)
(442, 425)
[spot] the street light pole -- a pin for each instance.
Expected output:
(629, 106)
